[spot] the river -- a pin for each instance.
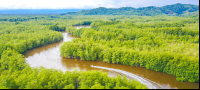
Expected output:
(49, 56)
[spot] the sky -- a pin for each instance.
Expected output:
(87, 4)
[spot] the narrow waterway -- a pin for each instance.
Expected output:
(48, 56)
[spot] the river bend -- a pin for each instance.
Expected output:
(49, 56)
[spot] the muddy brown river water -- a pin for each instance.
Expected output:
(48, 56)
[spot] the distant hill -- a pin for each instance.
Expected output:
(176, 10)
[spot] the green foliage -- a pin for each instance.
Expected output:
(70, 86)
(24, 37)
(12, 61)
(84, 23)
(57, 28)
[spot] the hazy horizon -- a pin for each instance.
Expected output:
(37, 11)
(87, 4)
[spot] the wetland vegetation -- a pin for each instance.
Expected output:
(168, 44)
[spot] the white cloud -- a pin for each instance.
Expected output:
(85, 4)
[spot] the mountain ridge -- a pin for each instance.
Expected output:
(174, 9)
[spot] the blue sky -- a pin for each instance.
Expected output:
(87, 4)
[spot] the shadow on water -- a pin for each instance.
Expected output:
(49, 56)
